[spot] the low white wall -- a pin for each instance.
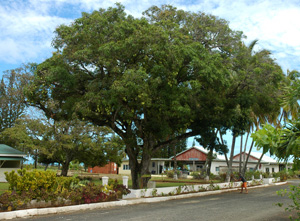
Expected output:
(183, 189)
(271, 180)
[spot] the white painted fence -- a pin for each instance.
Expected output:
(164, 191)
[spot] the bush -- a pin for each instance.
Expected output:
(212, 176)
(120, 189)
(294, 195)
(222, 176)
(59, 191)
(196, 175)
(11, 200)
(170, 173)
(40, 182)
(90, 194)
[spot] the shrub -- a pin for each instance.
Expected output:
(120, 189)
(212, 176)
(290, 173)
(170, 173)
(196, 175)
(154, 192)
(39, 182)
(34, 180)
(91, 193)
(11, 200)
(222, 176)
(294, 195)
(283, 175)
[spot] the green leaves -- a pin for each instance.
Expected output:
(267, 138)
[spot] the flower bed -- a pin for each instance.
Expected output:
(38, 189)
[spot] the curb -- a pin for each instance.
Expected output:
(65, 209)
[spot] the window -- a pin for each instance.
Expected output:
(251, 169)
(217, 169)
(267, 170)
(273, 170)
(126, 167)
(153, 164)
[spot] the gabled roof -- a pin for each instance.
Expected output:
(257, 155)
(203, 150)
(264, 159)
(8, 151)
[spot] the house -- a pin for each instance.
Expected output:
(10, 159)
(194, 158)
(157, 166)
(110, 168)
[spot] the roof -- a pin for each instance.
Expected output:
(265, 158)
(9, 151)
(203, 150)
(11, 158)
(219, 157)
(153, 159)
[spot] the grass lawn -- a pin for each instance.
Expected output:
(3, 187)
(160, 181)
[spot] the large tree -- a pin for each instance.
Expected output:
(61, 142)
(12, 100)
(257, 87)
(154, 80)
(26, 135)
(66, 141)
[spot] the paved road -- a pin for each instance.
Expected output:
(259, 204)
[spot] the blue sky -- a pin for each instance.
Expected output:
(27, 26)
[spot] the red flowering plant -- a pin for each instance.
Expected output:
(90, 193)
(118, 188)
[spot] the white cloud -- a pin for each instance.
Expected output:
(26, 32)
(27, 26)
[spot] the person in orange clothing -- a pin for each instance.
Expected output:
(244, 184)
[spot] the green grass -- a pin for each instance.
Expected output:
(167, 184)
(3, 187)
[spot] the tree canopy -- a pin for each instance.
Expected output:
(12, 99)
(153, 80)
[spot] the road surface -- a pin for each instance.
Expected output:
(259, 204)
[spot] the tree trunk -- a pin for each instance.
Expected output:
(145, 173)
(245, 148)
(226, 158)
(256, 167)
(246, 162)
(140, 173)
(175, 162)
(241, 149)
(35, 159)
(46, 167)
(229, 172)
(135, 174)
(65, 167)
(209, 157)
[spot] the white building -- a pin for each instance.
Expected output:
(195, 157)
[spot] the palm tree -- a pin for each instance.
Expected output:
(260, 75)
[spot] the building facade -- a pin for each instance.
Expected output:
(194, 159)
(10, 159)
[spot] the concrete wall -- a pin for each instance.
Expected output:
(183, 189)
